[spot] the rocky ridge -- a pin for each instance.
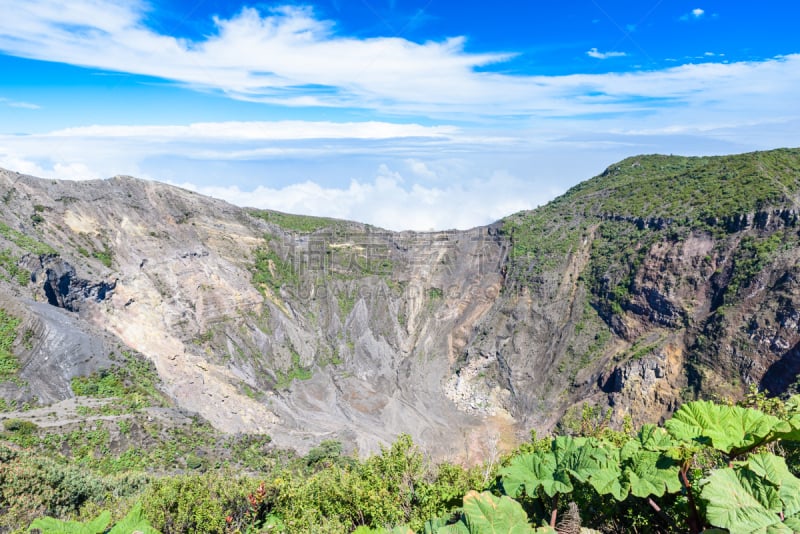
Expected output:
(660, 280)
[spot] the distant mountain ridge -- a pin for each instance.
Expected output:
(662, 279)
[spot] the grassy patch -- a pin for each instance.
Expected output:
(105, 256)
(295, 372)
(9, 263)
(134, 384)
(9, 366)
(24, 242)
(271, 270)
(297, 223)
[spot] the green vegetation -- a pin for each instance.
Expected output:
(435, 293)
(101, 384)
(295, 372)
(10, 264)
(270, 270)
(133, 383)
(698, 188)
(642, 199)
(133, 522)
(8, 334)
(24, 242)
(711, 465)
(750, 258)
(105, 256)
(20, 427)
(298, 223)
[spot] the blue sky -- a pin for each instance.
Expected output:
(404, 114)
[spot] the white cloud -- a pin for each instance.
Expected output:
(107, 150)
(18, 104)
(57, 170)
(604, 55)
(696, 13)
(291, 57)
(263, 131)
(389, 202)
(286, 56)
(447, 178)
(420, 168)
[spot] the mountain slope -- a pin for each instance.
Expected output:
(659, 280)
(662, 278)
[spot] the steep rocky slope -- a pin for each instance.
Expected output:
(659, 280)
(662, 279)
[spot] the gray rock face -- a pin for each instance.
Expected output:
(311, 329)
(353, 334)
(55, 346)
(64, 289)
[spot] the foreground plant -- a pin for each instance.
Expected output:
(134, 522)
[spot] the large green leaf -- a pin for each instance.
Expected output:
(730, 429)
(578, 457)
(655, 438)
(609, 481)
(646, 470)
(634, 470)
(486, 514)
(651, 473)
(456, 528)
(792, 432)
(769, 467)
(740, 501)
(553, 471)
(531, 471)
(49, 525)
(135, 521)
(753, 496)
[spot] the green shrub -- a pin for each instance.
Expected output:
(101, 384)
(194, 462)
(20, 426)
(8, 334)
(196, 503)
(31, 487)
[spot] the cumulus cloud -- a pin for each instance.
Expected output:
(604, 55)
(57, 170)
(394, 202)
(697, 12)
(420, 168)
